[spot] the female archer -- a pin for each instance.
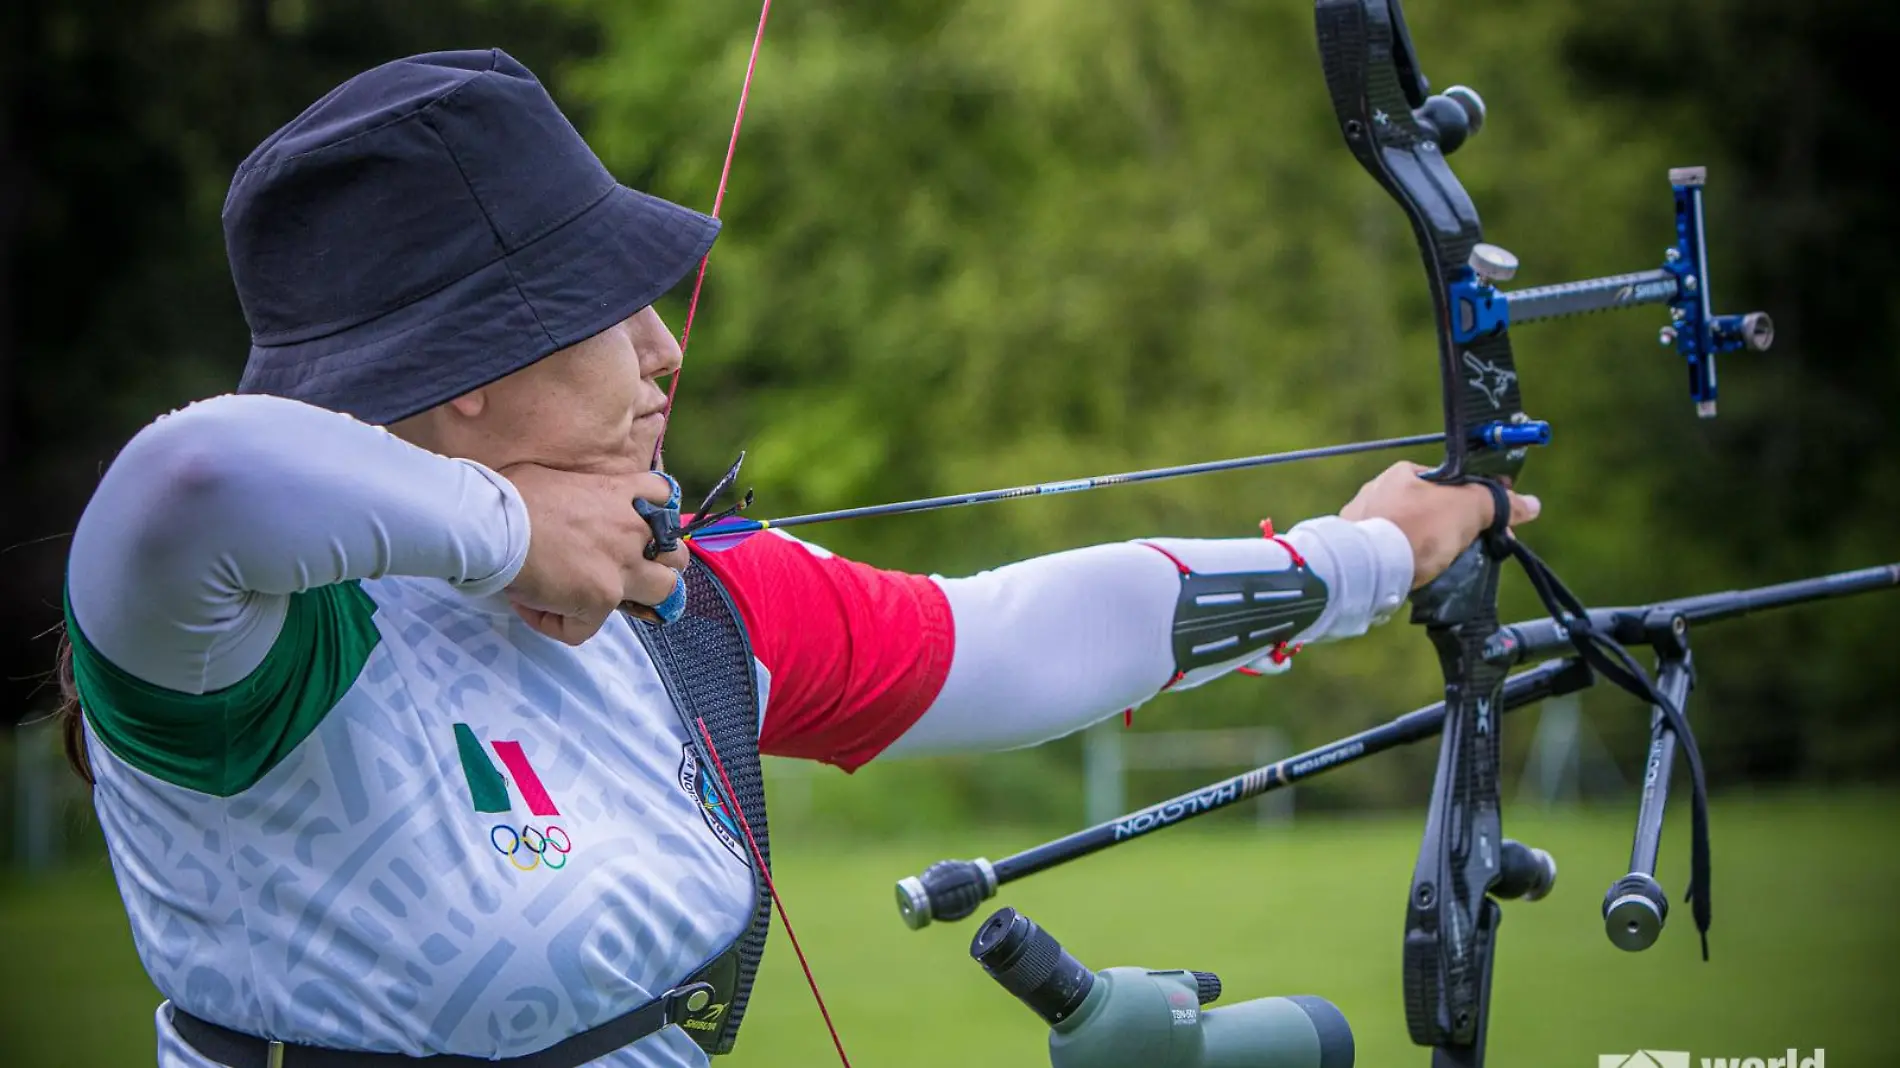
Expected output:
(384, 772)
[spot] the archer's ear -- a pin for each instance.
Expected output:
(469, 405)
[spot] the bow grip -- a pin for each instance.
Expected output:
(1463, 591)
(1455, 595)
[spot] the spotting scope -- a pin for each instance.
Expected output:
(1137, 1018)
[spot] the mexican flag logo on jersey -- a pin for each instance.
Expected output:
(528, 846)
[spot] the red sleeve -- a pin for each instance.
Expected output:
(856, 654)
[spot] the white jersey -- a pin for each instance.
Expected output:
(353, 801)
(404, 877)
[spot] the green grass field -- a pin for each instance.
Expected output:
(1806, 945)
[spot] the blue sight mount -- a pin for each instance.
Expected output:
(1682, 282)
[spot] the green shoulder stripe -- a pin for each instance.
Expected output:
(222, 742)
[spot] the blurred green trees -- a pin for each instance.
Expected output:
(983, 242)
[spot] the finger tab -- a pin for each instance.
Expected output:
(675, 604)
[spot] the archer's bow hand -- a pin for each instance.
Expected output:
(1440, 521)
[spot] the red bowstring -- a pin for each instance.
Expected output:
(719, 201)
(686, 333)
(758, 857)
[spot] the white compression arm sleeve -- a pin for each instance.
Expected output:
(1051, 645)
(210, 518)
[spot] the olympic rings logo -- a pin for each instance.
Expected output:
(541, 847)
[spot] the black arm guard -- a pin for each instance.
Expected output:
(1221, 617)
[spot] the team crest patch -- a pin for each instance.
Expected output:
(718, 815)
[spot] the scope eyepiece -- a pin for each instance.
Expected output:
(1031, 964)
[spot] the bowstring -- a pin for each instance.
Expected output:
(686, 333)
(731, 798)
(719, 201)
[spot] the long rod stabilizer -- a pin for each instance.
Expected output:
(953, 889)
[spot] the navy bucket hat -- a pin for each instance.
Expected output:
(433, 225)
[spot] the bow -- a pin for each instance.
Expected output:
(1402, 134)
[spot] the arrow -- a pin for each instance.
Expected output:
(726, 533)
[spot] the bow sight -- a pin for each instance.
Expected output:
(1682, 282)
(1376, 81)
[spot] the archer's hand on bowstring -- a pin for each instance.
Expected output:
(1440, 521)
(586, 549)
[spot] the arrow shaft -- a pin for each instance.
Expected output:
(1075, 485)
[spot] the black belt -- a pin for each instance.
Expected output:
(236, 1049)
